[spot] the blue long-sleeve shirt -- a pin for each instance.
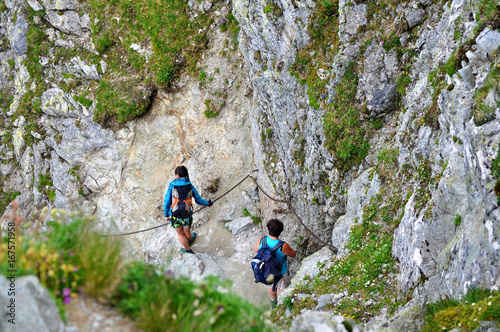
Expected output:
(167, 203)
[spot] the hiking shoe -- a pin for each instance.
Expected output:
(193, 237)
(184, 251)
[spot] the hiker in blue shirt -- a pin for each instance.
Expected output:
(275, 227)
(178, 207)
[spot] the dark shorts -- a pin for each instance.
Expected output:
(176, 222)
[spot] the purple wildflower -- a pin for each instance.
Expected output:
(66, 291)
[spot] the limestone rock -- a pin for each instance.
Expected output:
(309, 267)
(414, 16)
(35, 5)
(322, 322)
(35, 310)
(67, 22)
(240, 225)
(378, 82)
(19, 36)
(351, 17)
(57, 103)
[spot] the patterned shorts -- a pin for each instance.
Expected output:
(176, 222)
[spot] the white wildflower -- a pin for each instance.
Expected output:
(197, 312)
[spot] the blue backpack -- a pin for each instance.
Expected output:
(266, 266)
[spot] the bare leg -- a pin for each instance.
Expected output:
(187, 232)
(272, 294)
(182, 237)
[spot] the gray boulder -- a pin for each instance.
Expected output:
(315, 321)
(56, 102)
(34, 309)
(377, 85)
(59, 4)
(67, 22)
(34, 5)
(358, 195)
(240, 225)
(309, 267)
(351, 17)
(414, 16)
(19, 42)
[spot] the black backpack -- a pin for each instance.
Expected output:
(266, 266)
(182, 204)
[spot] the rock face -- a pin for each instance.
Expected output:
(322, 321)
(34, 309)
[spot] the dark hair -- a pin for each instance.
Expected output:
(275, 227)
(182, 172)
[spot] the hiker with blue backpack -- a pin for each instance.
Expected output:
(178, 207)
(270, 264)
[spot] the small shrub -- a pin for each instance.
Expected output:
(453, 64)
(84, 101)
(458, 220)
(104, 43)
(402, 82)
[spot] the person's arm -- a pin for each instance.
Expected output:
(167, 202)
(287, 250)
(197, 197)
(257, 245)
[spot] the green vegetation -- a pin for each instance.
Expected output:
(495, 173)
(6, 197)
(453, 64)
(71, 258)
(248, 214)
(323, 29)
(273, 9)
(299, 155)
(363, 272)
(388, 161)
(403, 81)
(177, 41)
(458, 220)
(46, 187)
(484, 113)
(477, 305)
(233, 26)
(84, 101)
(345, 134)
(210, 112)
